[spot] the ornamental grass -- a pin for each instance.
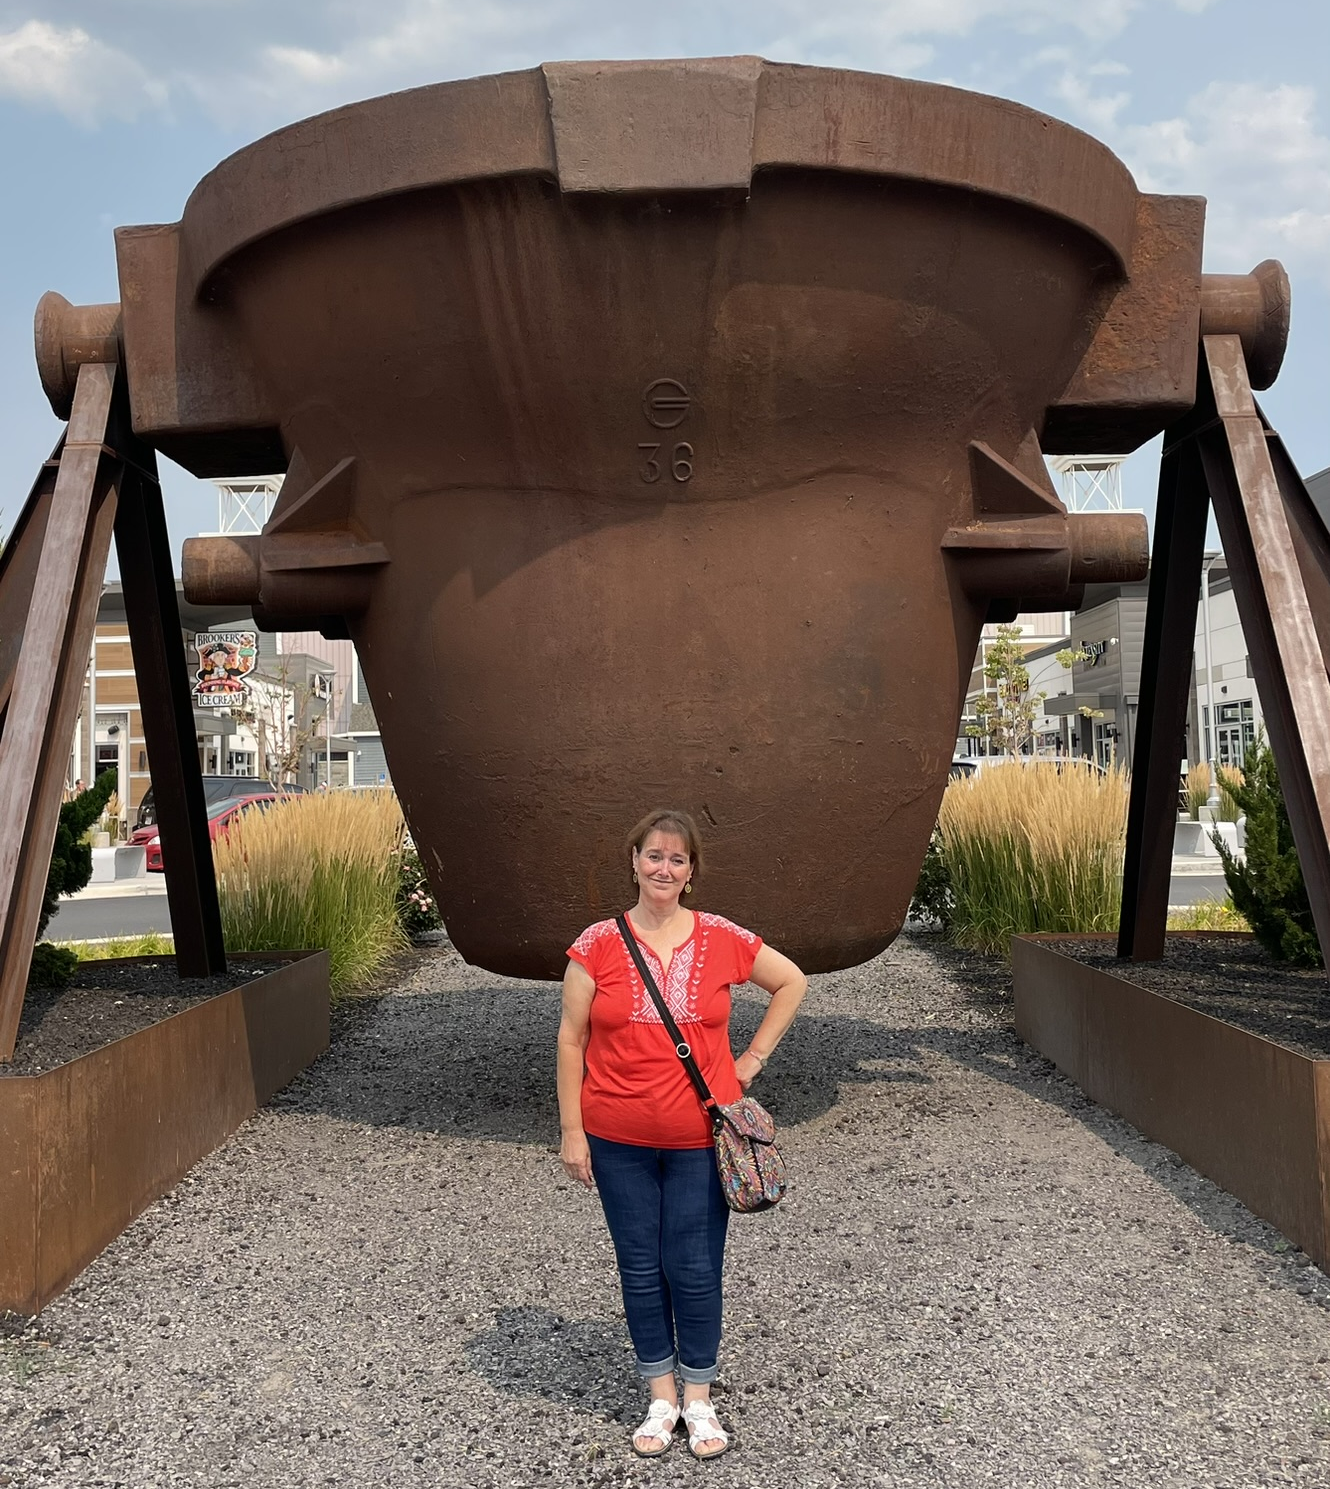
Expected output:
(1033, 847)
(317, 872)
(1198, 791)
(1208, 915)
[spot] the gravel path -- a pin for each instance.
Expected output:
(978, 1279)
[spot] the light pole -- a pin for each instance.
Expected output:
(1208, 717)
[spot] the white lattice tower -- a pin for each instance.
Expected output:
(244, 506)
(1090, 483)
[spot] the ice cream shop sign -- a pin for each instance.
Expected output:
(226, 658)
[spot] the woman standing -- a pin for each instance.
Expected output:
(632, 1121)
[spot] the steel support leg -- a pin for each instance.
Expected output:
(19, 559)
(1277, 616)
(1161, 718)
(153, 613)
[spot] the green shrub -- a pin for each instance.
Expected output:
(71, 858)
(1267, 888)
(316, 872)
(933, 899)
(52, 965)
(70, 870)
(417, 911)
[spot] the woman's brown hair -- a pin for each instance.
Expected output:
(675, 822)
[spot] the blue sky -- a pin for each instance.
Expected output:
(111, 110)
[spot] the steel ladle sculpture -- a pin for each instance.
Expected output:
(658, 431)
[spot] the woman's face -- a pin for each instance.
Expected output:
(662, 867)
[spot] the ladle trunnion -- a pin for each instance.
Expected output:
(665, 432)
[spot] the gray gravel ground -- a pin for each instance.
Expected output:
(978, 1279)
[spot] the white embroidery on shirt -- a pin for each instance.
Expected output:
(678, 987)
(593, 933)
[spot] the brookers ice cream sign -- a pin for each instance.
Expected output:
(225, 660)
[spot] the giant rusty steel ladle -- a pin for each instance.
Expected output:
(675, 462)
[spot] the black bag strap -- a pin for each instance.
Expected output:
(681, 1046)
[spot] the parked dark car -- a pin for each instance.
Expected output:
(215, 789)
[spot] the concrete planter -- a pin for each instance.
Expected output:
(1246, 1112)
(87, 1146)
(129, 861)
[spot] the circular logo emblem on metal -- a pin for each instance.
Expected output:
(665, 403)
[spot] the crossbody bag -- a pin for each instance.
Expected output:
(750, 1165)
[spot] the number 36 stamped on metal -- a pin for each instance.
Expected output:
(665, 404)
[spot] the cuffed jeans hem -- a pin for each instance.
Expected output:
(667, 1366)
(698, 1375)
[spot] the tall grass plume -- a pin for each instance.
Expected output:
(1034, 847)
(317, 872)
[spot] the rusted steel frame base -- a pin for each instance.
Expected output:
(84, 1148)
(1246, 1112)
(153, 614)
(48, 677)
(1276, 614)
(1170, 627)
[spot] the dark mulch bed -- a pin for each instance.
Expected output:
(107, 1000)
(1230, 978)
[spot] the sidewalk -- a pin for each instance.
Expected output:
(1185, 864)
(117, 888)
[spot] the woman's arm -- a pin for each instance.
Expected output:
(574, 1030)
(777, 975)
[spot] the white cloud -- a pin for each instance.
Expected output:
(64, 68)
(1259, 156)
(275, 60)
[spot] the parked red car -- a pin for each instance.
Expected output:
(220, 818)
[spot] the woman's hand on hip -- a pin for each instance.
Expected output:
(747, 1067)
(575, 1155)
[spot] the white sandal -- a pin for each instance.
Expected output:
(704, 1426)
(662, 1418)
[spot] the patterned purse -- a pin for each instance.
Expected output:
(751, 1168)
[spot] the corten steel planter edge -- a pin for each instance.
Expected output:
(1244, 1111)
(87, 1146)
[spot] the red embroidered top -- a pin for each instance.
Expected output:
(635, 1089)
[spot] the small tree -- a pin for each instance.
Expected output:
(285, 720)
(1268, 888)
(1005, 717)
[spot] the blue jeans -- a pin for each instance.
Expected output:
(667, 1218)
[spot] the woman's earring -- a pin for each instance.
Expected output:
(688, 888)
(634, 876)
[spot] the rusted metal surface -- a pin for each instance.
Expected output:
(1248, 1113)
(153, 615)
(68, 337)
(1181, 514)
(1310, 538)
(1254, 307)
(1118, 398)
(628, 489)
(87, 1146)
(1276, 615)
(569, 357)
(48, 678)
(19, 560)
